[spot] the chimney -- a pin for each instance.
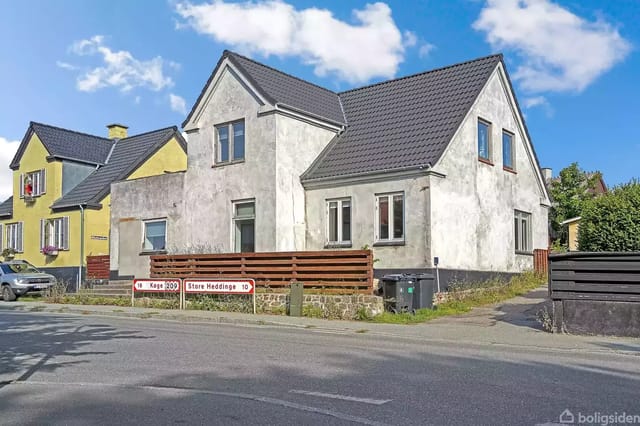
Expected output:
(547, 174)
(117, 131)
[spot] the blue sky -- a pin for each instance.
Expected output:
(83, 64)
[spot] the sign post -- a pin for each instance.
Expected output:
(171, 285)
(219, 286)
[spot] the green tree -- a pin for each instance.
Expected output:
(569, 192)
(612, 222)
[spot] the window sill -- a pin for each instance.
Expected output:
(337, 245)
(510, 170)
(524, 253)
(151, 252)
(485, 161)
(227, 163)
(388, 243)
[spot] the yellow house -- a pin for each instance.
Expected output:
(573, 226)
(59, 211)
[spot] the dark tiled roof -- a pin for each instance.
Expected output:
(6, 208)
(282, 88)
(67, 144)
(128, 154)
(407, 122)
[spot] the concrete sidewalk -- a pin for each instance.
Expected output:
(512, 323)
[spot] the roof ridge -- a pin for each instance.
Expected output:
(497, 55)
(227, 52)
(70, 131)
(163, 129)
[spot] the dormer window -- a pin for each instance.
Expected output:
(230, 142)
(32, 184)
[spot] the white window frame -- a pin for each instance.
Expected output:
(489, 131)
(339, 202)
(144, 235)
(236, 221)
(15, 236)
(391, 239)
(54, 232)
(1, 237)
(231, 141)
(38, 182)
(522, 240)
(512, 138)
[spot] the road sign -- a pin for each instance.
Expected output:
(223, 286)
(165, 286)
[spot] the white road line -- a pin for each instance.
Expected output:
(343, 397)
(245, 396)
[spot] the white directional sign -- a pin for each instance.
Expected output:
(169, 285)
(221, 286)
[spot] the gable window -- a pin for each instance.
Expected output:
(339, 222)
(244, 219)
(522, 232)
(13, 233)
(54, 233)
(390, 218)
(507, 151)
(155, 235)
(484, 140)
(230, 142)
(33, 184)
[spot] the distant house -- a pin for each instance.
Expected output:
(59, 211)
(437, 164)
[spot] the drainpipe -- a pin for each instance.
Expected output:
(81, 246)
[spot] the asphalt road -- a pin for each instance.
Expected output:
(58, 369)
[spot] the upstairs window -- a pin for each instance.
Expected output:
(522, 232)
(55, 233)
(230, 145)
(155, 235)
(339, 222)
(484, 140)
(14, 239)
(33, 184)
(390, 218)
(507, 151)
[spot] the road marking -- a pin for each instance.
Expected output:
(247, 396)
(343, 397)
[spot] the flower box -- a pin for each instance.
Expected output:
(49, 250)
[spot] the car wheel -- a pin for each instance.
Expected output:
(7, 294)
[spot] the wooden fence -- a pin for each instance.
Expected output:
(98, 267)
(595, 276)
(541, 261)
(335, 272)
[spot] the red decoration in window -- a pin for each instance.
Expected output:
(28, 187)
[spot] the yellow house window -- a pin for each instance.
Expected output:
(14, 236)
(33, 184)
(54, 234)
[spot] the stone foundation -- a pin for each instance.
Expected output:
(323, 306)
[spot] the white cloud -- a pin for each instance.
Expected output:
(371, 46)
(560, 50)
(178, 104)
(7, 151)
(534, 101)
(410, 39)
(66, 66)
(425, 49)
(119, 69)
(137, 100)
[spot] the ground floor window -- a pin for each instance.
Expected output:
(155, 235)
(244, 219)
(13, 237)
(522, 232)
(54, 233)
(339, 221)
(390, 217)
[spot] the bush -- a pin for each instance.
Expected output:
(612, 222)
